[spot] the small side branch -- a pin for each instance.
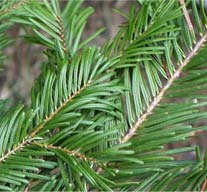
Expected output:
(14, 6)
(70, 152)
(204, 185)
(15, 149)
(186, 15)
(62, 34)
(41, 126)
(62, 37)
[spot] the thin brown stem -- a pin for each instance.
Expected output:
(159, 97)
(62, 34)
(15, 149)
(186, 15)
(204, 185)
(14, 6)
(70, 152)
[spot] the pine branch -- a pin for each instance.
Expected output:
(158, 98)
(57, 101)
(29, 138)
(76, 125)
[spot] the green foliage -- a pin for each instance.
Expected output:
(101, 118)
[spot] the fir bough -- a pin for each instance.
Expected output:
(100, 118)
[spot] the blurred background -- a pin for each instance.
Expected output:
(23, 61)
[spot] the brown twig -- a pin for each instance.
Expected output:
(17, 148)
(26, 189)
(62, 34)
(204, 185)
(186, 15)
(70, 152)
(62, 37)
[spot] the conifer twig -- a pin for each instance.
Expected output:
(186, 15)
(27, 140)
(62, 37)
(62, 34)
(14, 6)
(158, 98)
(70, 152)
(204, 185)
